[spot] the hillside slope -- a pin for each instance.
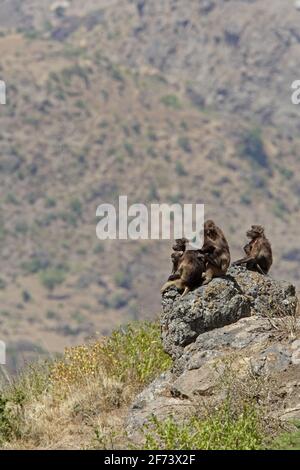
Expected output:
(104, 98)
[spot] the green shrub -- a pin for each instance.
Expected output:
(51, 315)
(222, 430)
(184, 144)
(50, 202)
(132, 354)
(21, 227)
(172, 101)
(153, 194)
(129, 149)
(35, 265)
(76, 206)
(252, 148)
(245, 199)
(11, 199)
(7, 425)
(116, 73)
(180, 170)
(52, 277)
(69, 217)
(29, 385)
(117, 300)
(26, 296)
(123, 279)
(288, 440)
(99, 248)
(279, 209)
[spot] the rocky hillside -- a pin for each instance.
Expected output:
(240, 331)
(163, 101)
(220, 371)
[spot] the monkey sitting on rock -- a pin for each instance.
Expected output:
(216, 252)
(258, 251)
(178, 249)
(188, 268)
(193, 268)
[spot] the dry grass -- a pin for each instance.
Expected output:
(70, 402)
(288, 324)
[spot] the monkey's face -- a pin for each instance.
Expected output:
(255, 232)
(210, 230)
(180, 244)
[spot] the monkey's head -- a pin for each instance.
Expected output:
(180, 244)
(210, 230)
(255, 231)
(176, 256)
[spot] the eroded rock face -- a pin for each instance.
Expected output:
(245, 317)
(224, 301)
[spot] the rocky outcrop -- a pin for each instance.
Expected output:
(245, 318)
(239, 294)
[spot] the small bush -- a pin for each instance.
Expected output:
(116, 73)
(76, 207)
(252, 148)
(35, 265)
(21, 227)
(52, 277)
(132, 355)
(180, 170)
(28, 386)
(172, 101)
(99, 248)
(222, 430)
(26, 296)
(184, 144)
(123, 279)
(288, 440)
(50, 202)
(117, 300)
(8, 425)
(245, 199)
(129, 149)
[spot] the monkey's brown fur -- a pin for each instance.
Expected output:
(259, 252)
(189, 272)
(216, 252)
(178, 249)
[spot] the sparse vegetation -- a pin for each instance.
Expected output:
(123, 279)
(79, 400)
(93, 119)
(81, 388)
(221, 430)
(288, 440)
(252, 148)
(184, 144)
(171, 101)
(180, 170)
(76, 207)
(52, 277)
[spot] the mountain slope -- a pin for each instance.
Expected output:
(110, 99)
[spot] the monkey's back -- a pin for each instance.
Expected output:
(265, 256)
(191, 268)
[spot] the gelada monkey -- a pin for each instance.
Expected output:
(258, 251)
(216, 252)
(188, 268)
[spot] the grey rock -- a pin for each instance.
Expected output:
(296, 352)
(239, 294)
(231, 318)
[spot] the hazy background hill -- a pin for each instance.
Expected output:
(172, 101)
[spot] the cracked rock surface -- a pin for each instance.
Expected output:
(245, 316)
